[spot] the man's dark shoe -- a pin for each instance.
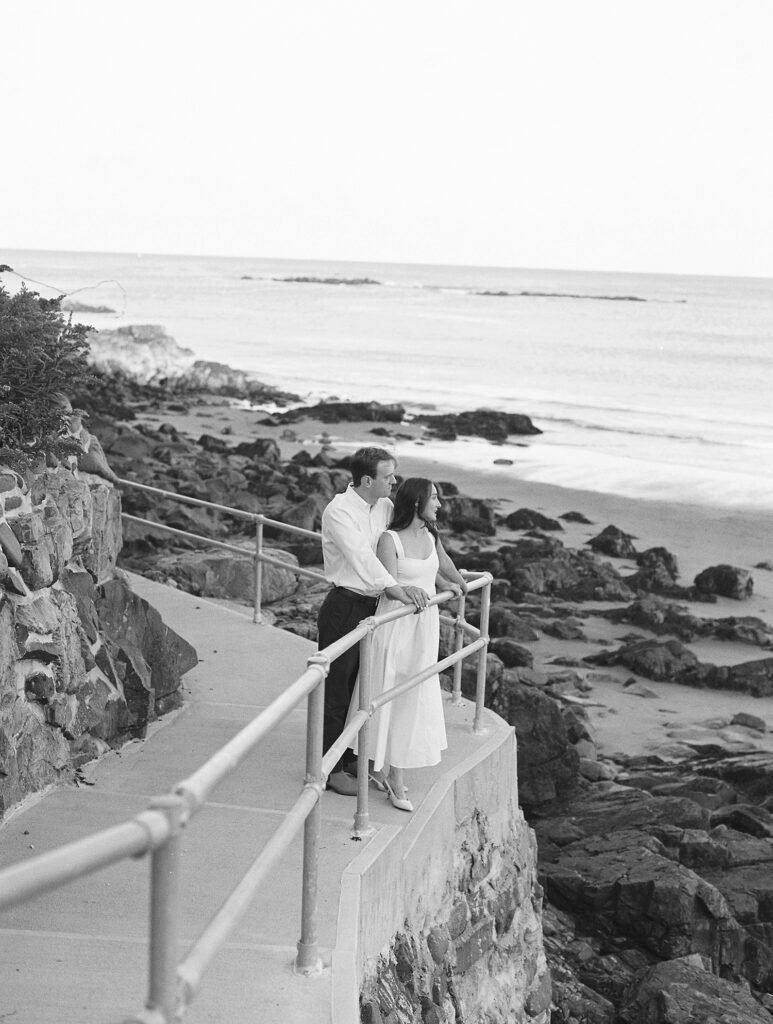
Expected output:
(342, 783)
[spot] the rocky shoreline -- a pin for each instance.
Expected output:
(657, 863)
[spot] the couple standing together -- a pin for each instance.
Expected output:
(379, 556)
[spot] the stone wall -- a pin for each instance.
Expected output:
(84, 663)
(449, 919)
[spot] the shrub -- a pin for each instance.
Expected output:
(42, 358)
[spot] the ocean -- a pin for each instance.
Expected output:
(646, 386)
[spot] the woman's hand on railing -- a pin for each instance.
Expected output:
(417, 597)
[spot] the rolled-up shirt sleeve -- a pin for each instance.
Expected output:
(346, 547)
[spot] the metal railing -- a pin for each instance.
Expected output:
(172, 984)
(258, 555)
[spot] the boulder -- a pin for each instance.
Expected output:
(684, 990)
(725, 580)
(654, 557)
(503, 622)
(575, 517)
(614, 542)
(495, 426)
(511, 653)
(627, 884)
(463, 513)
(226, 575)
(548, 764)
(528, 519)
(152, 655)
(659, 660)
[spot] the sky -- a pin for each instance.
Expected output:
(604, 134)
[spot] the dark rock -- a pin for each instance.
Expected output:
(511, 653)
(347, 412)
(495, 426)
(725, 580)
(528, 519)
(754, 677)
(653, 557)
(750, 721)
(613, 542)
(263, 448)
(746, 818)
(547, 763)
(661, 616)
(666, 660)
(463, 513)
(565, 629)
(685, 991)
(575, 517)
(503, 622)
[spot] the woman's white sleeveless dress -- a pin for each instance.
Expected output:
(410, 731)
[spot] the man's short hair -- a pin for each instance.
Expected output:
(365, 463)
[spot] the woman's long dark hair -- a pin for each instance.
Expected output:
(410, 500)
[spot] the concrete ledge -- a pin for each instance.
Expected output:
(403, 872)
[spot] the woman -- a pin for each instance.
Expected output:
(409, 732)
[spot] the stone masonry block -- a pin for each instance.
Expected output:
(474, 944)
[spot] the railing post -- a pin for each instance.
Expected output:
(257, 615)
(480, 689)
(308, 960)
(362, 815)
(165, 912)
(456, 696)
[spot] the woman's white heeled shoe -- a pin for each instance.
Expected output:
(400, 802)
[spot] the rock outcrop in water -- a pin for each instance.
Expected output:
(147, 355)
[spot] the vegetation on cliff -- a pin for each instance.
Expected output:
(42, 357)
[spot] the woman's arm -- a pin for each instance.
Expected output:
(447, 571)
(414, 596)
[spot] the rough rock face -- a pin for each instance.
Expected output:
(496, 426)
(660, 889)
(148, 355)
(216, 574)
(684, 990)
(726, 580)
(84, 663)
(479, 956)
(548, 764)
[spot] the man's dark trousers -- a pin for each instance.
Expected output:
(341, 611)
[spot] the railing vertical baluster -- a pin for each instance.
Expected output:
(456, 696)
(257, 615)
(480, 690)
(165, 912)
(308, 959)
(362, 815)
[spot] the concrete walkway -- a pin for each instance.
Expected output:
(78, 955)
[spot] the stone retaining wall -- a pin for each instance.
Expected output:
(443, 917)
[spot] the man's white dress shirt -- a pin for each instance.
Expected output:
(350, 532)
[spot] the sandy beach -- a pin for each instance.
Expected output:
(699, 536)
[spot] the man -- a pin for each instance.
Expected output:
(351, 526)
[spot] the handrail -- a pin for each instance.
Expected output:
(258, 555)
(173, 984)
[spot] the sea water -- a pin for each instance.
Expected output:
(649, 386)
